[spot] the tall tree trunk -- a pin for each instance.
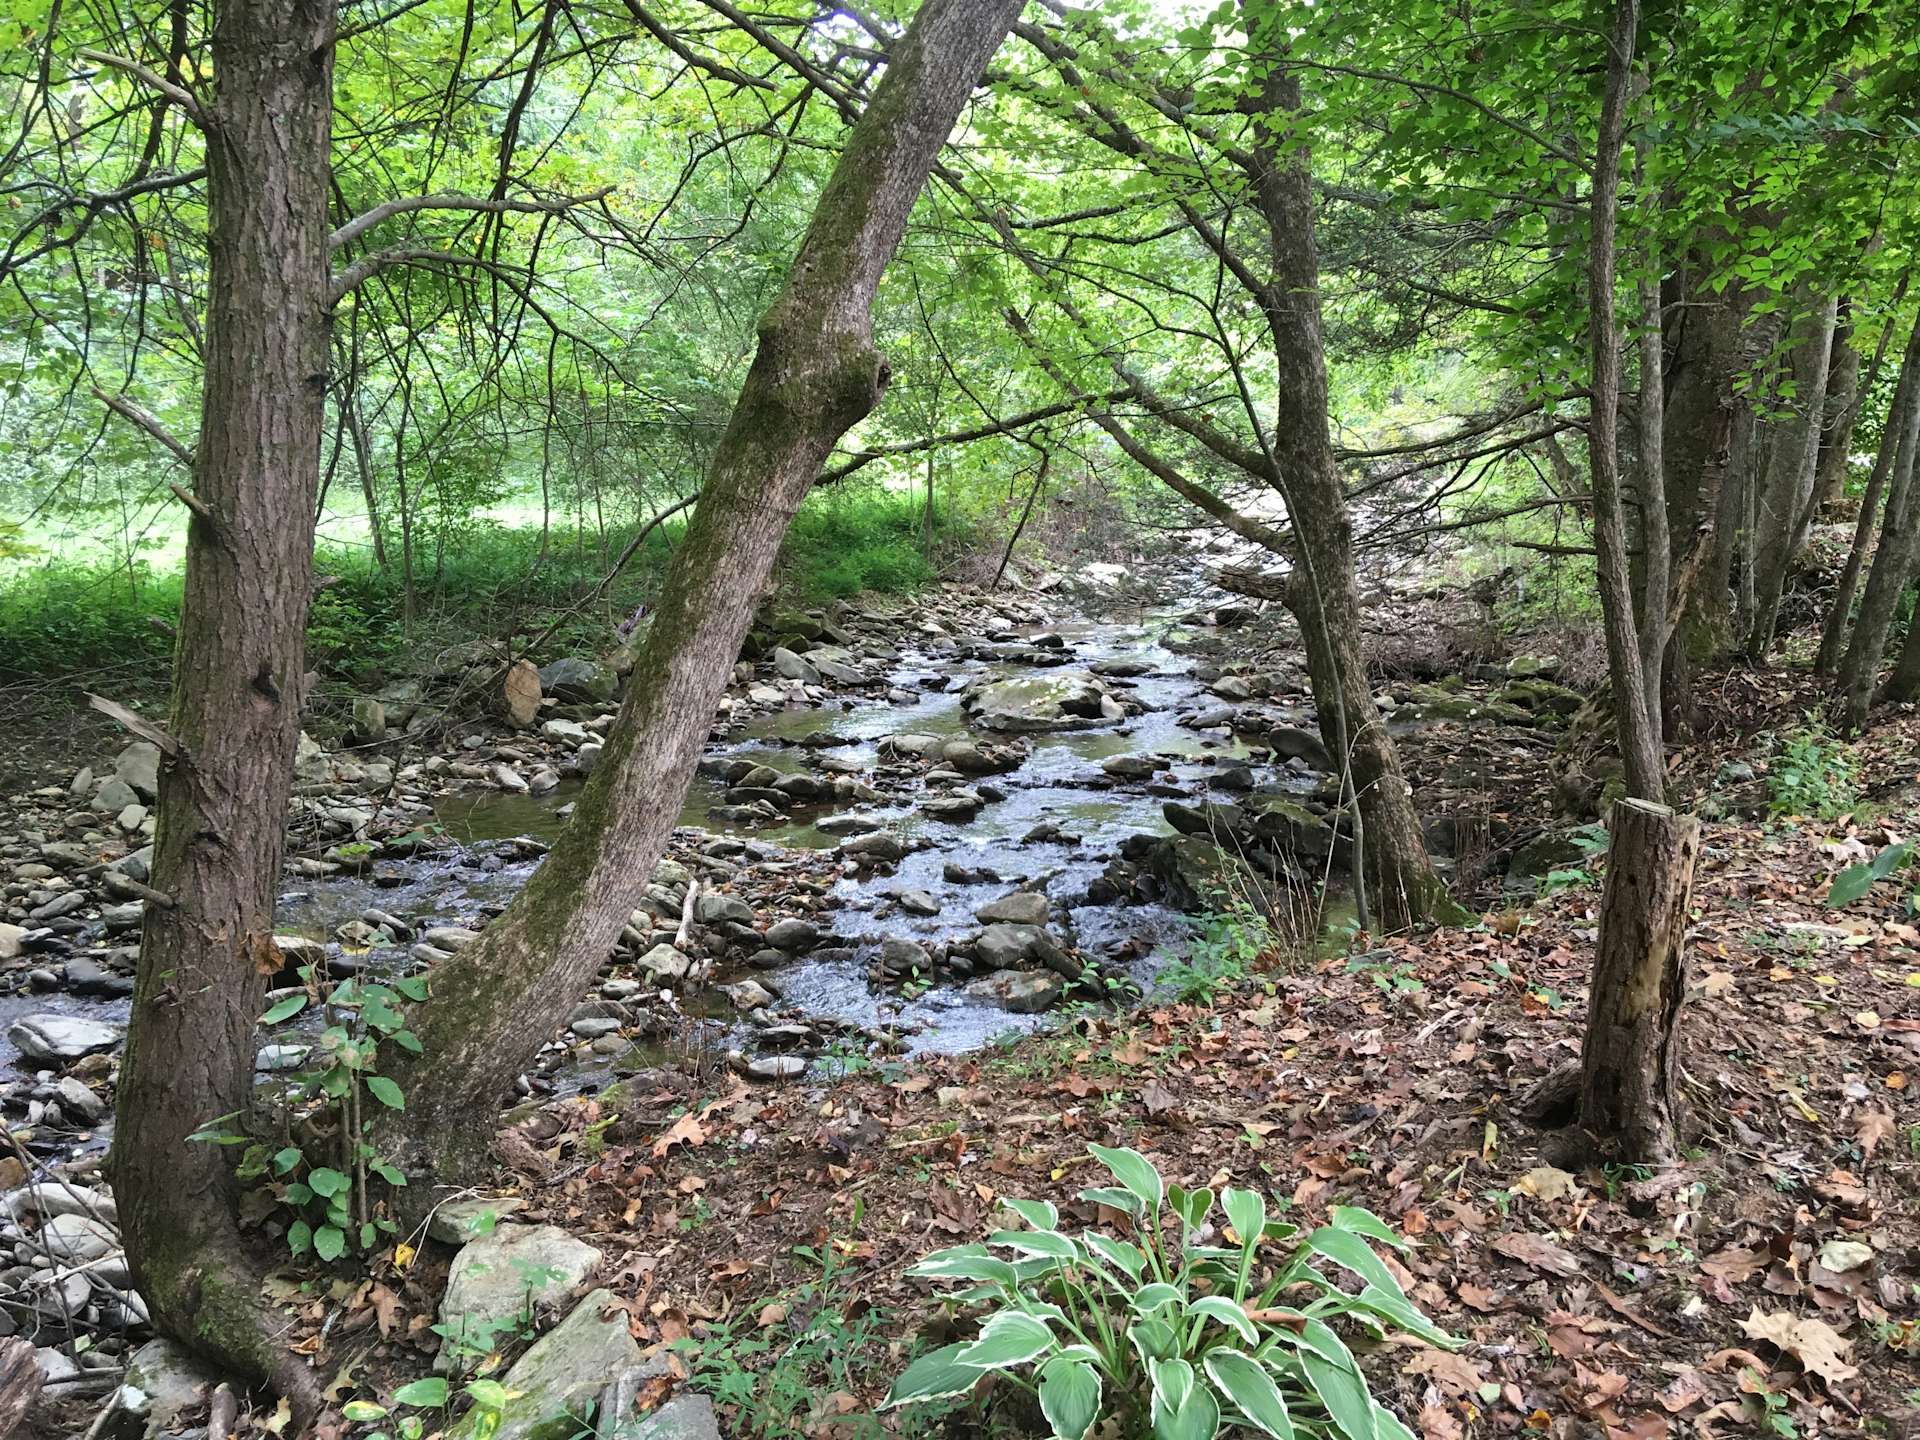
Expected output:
(815, 374)
(1906, 394)
(1629, 1069)
(235, 721)
(1904, 683)
(1396, 872)
(1893, 560)
(1789, 484)
(1836, 429)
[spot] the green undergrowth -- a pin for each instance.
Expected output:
(61, 616)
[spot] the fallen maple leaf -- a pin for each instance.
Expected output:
(685, 1131)
(1875, 1126)
(1818, 1347)
(1157, 1098)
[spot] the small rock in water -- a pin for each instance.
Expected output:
(1130, 767)
(773, 1068)
(61, 1037)
(917, 902)
(794, 934)
(1022, 907)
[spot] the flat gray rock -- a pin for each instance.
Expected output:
(499, 1280)
(61, 1037)
(558, 1380)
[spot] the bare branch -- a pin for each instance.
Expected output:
(366, 220)
(153, 80)
(134, 413)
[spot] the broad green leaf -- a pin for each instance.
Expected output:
(937, 1375)
(1069, 1396)
(1362, 1221)
(1156, 1296)
(964, 1262)
(1337, 1381)
(1343, 1247)
(299, 1237)
(327, 1182)
(363, 1410)
(1118, 1253)
(284, 1008)
(1114, 1198)
(1397, 1310)
(1049, 1243)
(1197, 1419)
(1223, 1311)
(329, 1242)
(386, 1092)
(1009, 1338)
(1134, 1171)
(489, 1394)
(285, 1159)
(1850, 884)
(1153, 1339)
(426, 1393)
(1040, 1214)
(1246, 1213)
(1245, 1382)
(1172, 1383)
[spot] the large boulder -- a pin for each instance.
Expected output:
(61, 1037)
(1027, 704)
(139, 766)
(555, 1383)
(520, 694)
(1020, 992)
(499, 1280)
(580, 680)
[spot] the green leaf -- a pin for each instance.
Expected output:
(386, 1092)
(1223, 1311)
(488, 1394)
(426, 1393)
(285, 1160)
(284, 1009)
(1040, 1214)
(1345, 1248)
(1197, 1419)
(1172, 1383)
(1362, 1221)
(1245, 1382)
(964, 1262)
(329, 1242)
(414, 987)
(363, 1410)
(1009, 1338)
(1399, 1311)
(1117, 1253)
(1114, 1198)
(1049, 1243)
(937, 1375)
(1850, 884)
(1157, 1296)
(1153, 1339)
(300, 1237)
(1134, 1171)
(1246, 1213)
(1069, 1396)
(327, 1182)
(1337, 1381)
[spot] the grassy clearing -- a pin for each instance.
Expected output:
(69, 610)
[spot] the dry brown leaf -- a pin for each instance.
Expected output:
(1819, 1348)
(685, 1131)
(1537, 1251)
(1450, 1370)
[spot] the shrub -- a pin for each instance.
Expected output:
(1168, 1336)
(1812, 774)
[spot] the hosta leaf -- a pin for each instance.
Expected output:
(1154, 1339)
(1134, 1171)
(1040, 1214)
(1117, 1253)
(1336, 1380)
(1172, 1383)
(1246, 1213)
(1069, 1396)
(937, 1375)
(1114, 1198)
(1049, 1243)
(1009, 1338)
(1149, 1298)
(1245, 1382)
(1197, 1419)
(1224, 1312)
(1390, 1426)
(964, 1262)
(1362, 1221)
(1343, 1247)
(1397, 1310)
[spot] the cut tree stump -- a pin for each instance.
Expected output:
(1630, 1065)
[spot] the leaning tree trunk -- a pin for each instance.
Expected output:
(1887, 577)
(1789, 484)
(1900, 413)
(1630, 1063)
(1396, 873)
(206, 952)
(816, 372)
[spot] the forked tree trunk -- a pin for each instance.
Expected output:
(816, 372)
(205, 958)
(1397, 874)
(1630, 1064)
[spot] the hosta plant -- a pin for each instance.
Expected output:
(1170, 1333)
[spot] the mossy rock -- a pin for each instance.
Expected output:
(1543, 697)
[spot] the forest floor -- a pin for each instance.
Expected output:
(1766, 1286)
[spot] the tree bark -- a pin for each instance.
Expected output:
(1789, 484)
(1396, 872)
(1906, 394)
(816, 372)
(238, 675)
(1630, 1063)
(1893, 561)
(1841, 409)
